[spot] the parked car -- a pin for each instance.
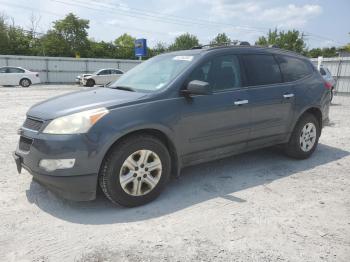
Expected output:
(102, 77)
(13, 76)
(327, 76)
(171, 111)
(79, 79)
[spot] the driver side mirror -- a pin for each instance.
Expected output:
(196, 87)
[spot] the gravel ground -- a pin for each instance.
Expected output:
(259, 206)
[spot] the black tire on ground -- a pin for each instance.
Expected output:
(90, 83)
(112, 164)
(332, 93)
(25, 82)
(293, 148)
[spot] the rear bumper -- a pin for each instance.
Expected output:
(35, 80)
(78, 188)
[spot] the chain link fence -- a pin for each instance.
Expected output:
(340, 69)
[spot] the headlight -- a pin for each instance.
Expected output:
(76, 123)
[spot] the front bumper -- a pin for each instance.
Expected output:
(76, 183)
(77, 188)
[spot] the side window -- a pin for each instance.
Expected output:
(294, 68)
(105, 72)
(15, 70)
(118, 72)
(3, 70)
(323, 72)
(201, 73)
(221, 73)
(226, 73)
(328, 72)
(261, 70)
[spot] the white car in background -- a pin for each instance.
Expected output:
(79, 78)
(14, 76)
(102, 77)
(327, 76)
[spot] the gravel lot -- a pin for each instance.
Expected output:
(259, 206)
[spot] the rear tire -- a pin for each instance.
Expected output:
(128, 176)
(90, 83)
(304, 138)
(25, 82)
(332, 93)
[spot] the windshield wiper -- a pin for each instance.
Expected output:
(126, 88)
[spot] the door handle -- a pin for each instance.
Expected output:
(241, 102)
(288, 95)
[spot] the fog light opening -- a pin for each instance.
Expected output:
(53, 164)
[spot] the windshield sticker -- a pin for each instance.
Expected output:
(183, 57)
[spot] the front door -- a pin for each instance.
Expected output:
(216, 125)
(4, 76)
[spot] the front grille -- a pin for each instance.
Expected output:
(32, 124)
(25, 143)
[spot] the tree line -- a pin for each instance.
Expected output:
(68, 37)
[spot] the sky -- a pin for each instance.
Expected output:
(325, 23)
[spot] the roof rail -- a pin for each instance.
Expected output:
(225, 44)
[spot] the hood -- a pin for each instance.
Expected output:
(81, 101)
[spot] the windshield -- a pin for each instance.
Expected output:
(154, 73)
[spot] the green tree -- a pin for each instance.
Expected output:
(184, 41)
(220, 39)
(68, 37)
(4, 39)
(291, 40)
(19, 41)
(125, 45)
(159, 48)
(325, 52)
(102, 50)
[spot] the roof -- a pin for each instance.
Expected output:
(240, 49)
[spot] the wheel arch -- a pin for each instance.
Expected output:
(165, 138)
(315, 111)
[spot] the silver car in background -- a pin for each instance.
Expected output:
(327, 76)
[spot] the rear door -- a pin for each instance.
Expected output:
(271, 100)
(115, 74)
(103, 77)
(15, 75)
(216, 125)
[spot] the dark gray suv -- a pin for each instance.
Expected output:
(172, 111)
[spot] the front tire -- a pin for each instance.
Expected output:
(304, 138)
(90, 83)
(25, 82)
(135, 171)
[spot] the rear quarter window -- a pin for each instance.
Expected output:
(261, 70)
(15, 70)
(293, 68)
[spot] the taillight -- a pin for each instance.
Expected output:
(327, 85)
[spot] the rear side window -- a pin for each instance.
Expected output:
(15, 70)
(294, 68)
(105, 72)
(261, 70)
(3, 70)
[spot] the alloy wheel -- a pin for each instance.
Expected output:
(307, 137)
(140, 172)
